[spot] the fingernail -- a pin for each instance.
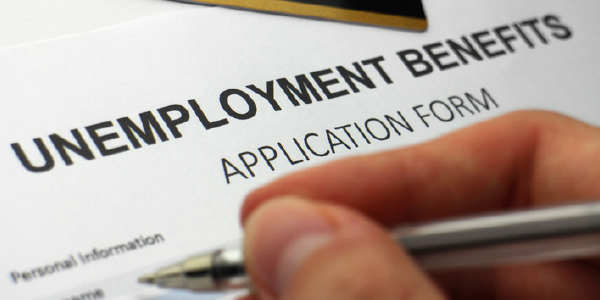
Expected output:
(280, 235)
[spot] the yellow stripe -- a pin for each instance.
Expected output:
(325, 12)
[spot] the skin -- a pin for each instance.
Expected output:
(518, 160)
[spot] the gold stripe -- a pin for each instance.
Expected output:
(325, 12)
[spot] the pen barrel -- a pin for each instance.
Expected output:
(514, 253)
(549, 234)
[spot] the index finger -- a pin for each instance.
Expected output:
(520, 159)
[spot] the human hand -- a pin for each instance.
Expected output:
(320, 233)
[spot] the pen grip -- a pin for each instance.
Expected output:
(228, 269)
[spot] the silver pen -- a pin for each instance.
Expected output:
(546, 234)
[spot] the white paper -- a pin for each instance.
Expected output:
(178, 188)
(30, 21)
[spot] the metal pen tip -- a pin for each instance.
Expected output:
(148, 278)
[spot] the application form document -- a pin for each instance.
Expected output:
(132, 147)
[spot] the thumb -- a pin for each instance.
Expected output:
(297, 249)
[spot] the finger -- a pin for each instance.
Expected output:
(525, 158)
(561, 280)
(296, 249)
